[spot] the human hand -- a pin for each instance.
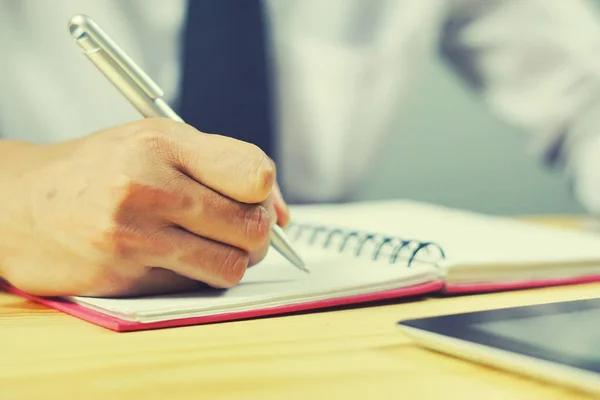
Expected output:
(149, 207)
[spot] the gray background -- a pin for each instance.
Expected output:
(494, 172)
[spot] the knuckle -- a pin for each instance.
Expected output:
(177, 194)
(164, 137)
(155, 243)
(131, 242)
(257, 224)
(150, 137)
(209, 203)
(126, 241)
(136, 149)
(231, 265)
(262, 173)
(149, 140)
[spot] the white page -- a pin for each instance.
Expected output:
(466, 237)
(275, 282)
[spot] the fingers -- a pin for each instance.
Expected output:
(208, 214)
(281, 209)
(200, 259)
(234, 168)
(155, 281)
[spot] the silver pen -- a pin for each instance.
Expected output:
(144, 95)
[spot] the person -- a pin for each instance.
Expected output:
(99, 202)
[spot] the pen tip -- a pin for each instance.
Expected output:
(283, 245)
(300, 264)
(295, 259)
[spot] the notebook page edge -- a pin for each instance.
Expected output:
(155, 315)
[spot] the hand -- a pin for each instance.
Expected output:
(150, 207)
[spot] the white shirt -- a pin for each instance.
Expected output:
(344, 67)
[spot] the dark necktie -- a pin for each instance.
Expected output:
(225, 87)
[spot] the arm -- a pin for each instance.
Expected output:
(536, 63)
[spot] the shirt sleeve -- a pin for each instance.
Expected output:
(536, 63)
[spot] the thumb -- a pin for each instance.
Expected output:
(281, 208)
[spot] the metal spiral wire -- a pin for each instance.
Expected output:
(398, 247)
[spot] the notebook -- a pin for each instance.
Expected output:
(362, 252)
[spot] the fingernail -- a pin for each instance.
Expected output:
(266, 173)
(283, 213)
(279, 197)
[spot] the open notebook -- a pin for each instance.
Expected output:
(360, 252)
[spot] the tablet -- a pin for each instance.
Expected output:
(556, 342)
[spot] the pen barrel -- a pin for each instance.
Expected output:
(92, 38)
(147, 106)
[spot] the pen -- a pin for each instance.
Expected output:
(144, 95)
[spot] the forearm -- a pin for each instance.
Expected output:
(16, 160)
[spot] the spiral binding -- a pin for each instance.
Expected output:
(400, 248)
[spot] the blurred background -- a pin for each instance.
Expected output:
(498, 173)
(481, 179)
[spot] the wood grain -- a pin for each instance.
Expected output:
(346, 353)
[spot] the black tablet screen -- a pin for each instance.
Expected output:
(573, 337)
(565, 332)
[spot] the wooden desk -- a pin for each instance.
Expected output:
(347, 354)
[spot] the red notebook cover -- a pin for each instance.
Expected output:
(121, 325)
(470, 288)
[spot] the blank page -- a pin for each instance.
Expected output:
(274, 282)
(466, 237)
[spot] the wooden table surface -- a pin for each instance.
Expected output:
(347, 354)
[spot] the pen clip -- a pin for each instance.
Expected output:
(91, 38)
